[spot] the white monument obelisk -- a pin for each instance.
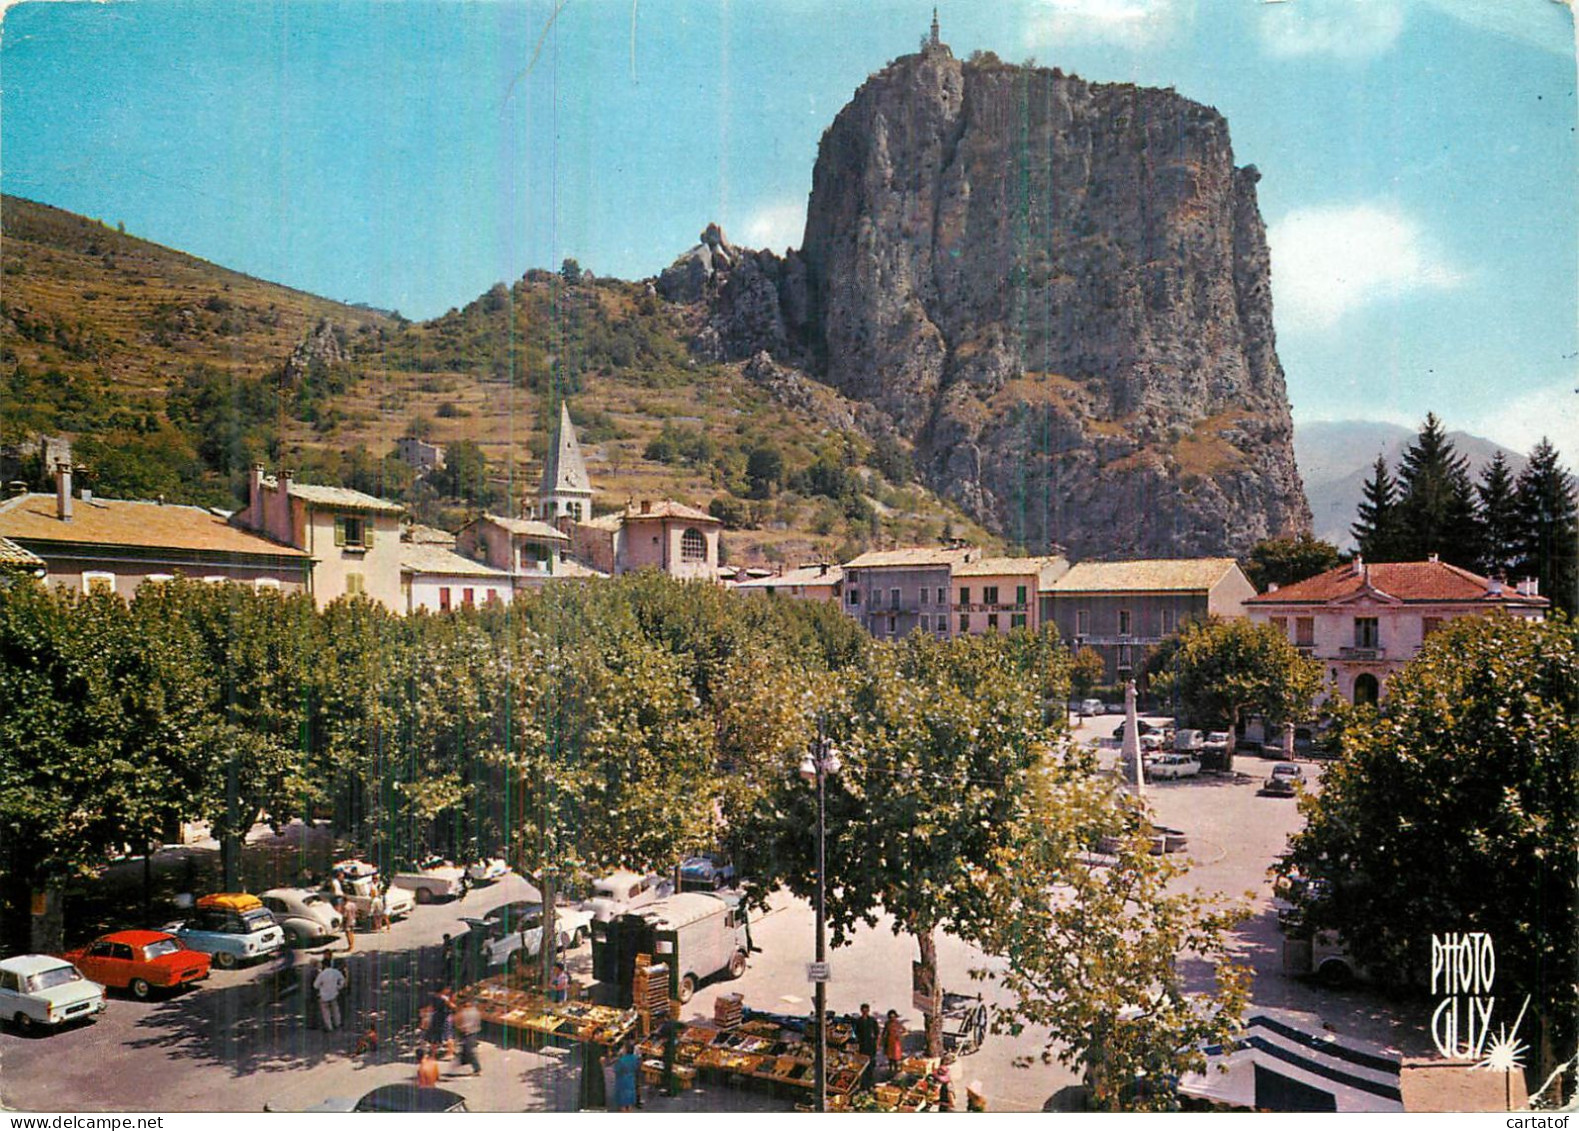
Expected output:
(1133, 772)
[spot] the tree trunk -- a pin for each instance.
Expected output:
(927, 943)
(548, 952)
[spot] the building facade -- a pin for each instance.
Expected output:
(896, 592)
(419, 454)
(437, 579)
(1123, 609)
(1364, 621)
(120, 544)
(353, 539)
(529, 551)
(1002, 594)
(819, 582)
(664, 535)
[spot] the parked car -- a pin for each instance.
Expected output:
(140, 961)
(1215, 740)
(707, 872)
(1172, 766)
(512, 935)
(1089, 707)
(1142, 728)
(1285, 780)
(305, 915)
(405, 1096)
(359, 881)
(622, 891)
(432, 878)
(487, 871)
(42, 990)
(233, 928)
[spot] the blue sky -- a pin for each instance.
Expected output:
(1418, 157)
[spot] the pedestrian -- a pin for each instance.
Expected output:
(866, 1030)
(466, 885)
(447, 960)
(944, 1078)
(893, 1041)
(329, 983)
(627, 1069)
(367, 1043)
(348, 922)
(441, 1028)
(428, 1068)
(377, 915)
(593, 1095)
(334, 888)
(468, 1023)
(671, 1053)
(559, 984)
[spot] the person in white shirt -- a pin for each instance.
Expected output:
(329, 983)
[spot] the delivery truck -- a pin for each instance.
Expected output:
(697, 935)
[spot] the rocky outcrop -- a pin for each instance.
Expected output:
(321, 347)
(1058, 290)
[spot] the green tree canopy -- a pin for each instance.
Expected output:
(1227, 670)
(1499, 518)
(1377, 529)
(1458, 810)
(1549, 527)
(1283, 561)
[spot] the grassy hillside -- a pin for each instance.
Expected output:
(173, 375)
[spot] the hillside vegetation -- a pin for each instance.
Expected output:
(172, 376)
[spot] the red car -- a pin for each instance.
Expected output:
(140, 961)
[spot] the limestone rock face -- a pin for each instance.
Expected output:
(1057, 290)
(321, 345)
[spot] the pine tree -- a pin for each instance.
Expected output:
(1436, 509)
(1499, 518)
(1548, 548)
(1377, 528)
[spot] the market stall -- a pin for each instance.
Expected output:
(513, 1006)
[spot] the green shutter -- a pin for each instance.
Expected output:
(367, 533)
(339, 531)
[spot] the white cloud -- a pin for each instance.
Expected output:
(773, 226)
(1346, 29)
(1519, 421)
(1329, 261)
(1128, 23)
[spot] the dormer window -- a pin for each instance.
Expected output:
(354, 532)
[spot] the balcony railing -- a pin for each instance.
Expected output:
(1362, 653)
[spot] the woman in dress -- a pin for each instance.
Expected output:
(626, 1068)
(893, 1041)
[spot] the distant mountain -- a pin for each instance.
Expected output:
(1335, 459)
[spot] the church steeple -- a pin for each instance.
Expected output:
(566, 491)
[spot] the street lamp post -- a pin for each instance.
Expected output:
(821, 761)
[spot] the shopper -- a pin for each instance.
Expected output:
(559, 984)
(866, 1031)
(627, 1068)
(378, 917)
(348, 922)
(468, 1024)
(893, 1041)
(441, 1029)
(329, 983)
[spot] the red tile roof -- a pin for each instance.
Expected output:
(129, 523)
(1433, 582)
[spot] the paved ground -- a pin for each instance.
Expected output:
(239, 1043)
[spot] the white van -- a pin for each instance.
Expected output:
(697, 934)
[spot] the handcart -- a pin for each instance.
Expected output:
(964, 1023)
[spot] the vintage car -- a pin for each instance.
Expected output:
(140, 961)
(1285, 780)
(622, 891)
(706, 873)
(487, 871)
(405, 1096)
(305, 915)
(1172, 766)
(233, 928)
(433, 878)
(512, 935)
(42, 991)
(358, 883)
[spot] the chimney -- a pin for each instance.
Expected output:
(646, 506)
(822, 569)
(63, 491)
(1359, 566)
(1495, 588)
(255, 489)
(1271, 587)
(1432, 558)
(1530, 587)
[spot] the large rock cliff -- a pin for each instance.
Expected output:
(1058, 290)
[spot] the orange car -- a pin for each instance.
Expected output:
(140, 961)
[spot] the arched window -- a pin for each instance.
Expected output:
(1366, 689)
(693, 547)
